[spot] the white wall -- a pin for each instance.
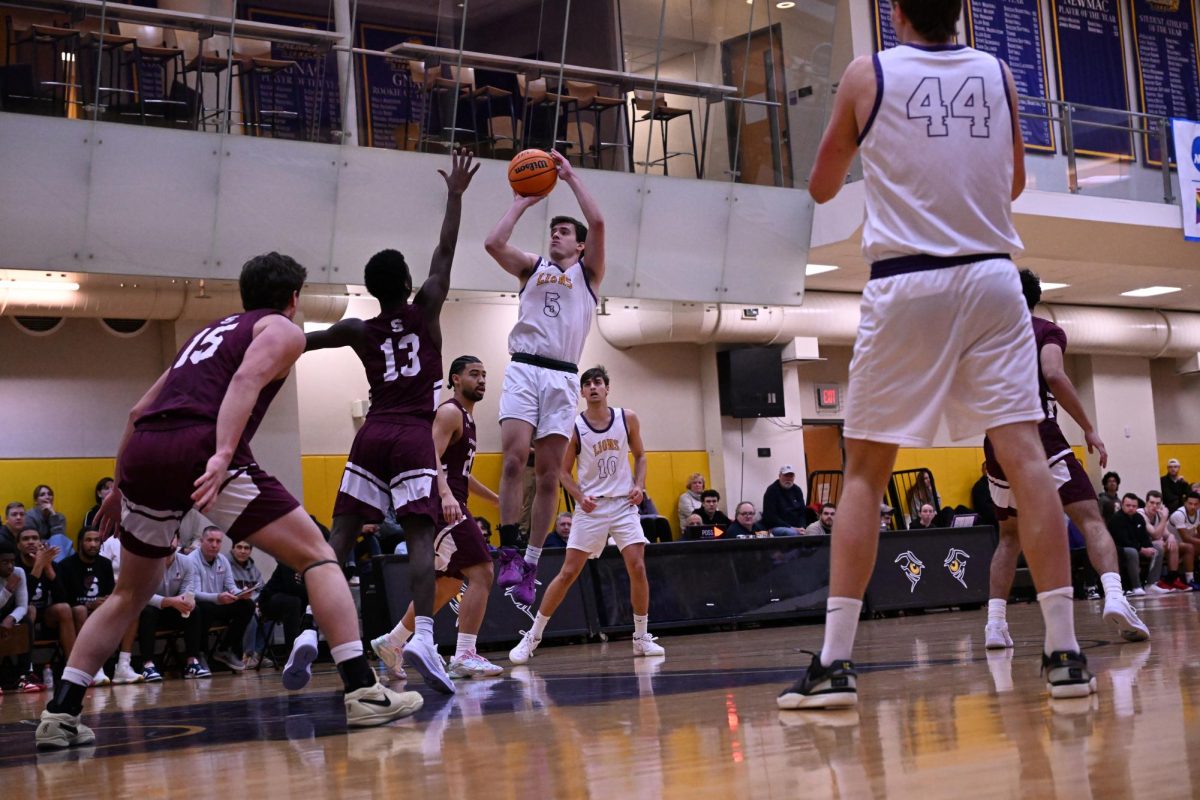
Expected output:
(1176, 403)
(1117, 392)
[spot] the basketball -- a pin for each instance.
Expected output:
(532, 173)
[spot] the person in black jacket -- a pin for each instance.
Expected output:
(1174, 486)
(981, 500)
(1128, 530)
(710, 513)
(784, 512)
(744, 523)
(49, 610)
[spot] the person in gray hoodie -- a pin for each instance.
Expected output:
(171, 607)
(218, 600)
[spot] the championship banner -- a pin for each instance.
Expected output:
(1090, 53)
(881, 19)
(316, 71)
(1164, 40)
(1011, 30)
(393, 106)
(1187, 148)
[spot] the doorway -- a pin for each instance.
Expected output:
(759, 144)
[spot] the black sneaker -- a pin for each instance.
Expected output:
(835, 686)
(1067, 674)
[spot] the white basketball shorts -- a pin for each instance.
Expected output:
(612, 515)
(547, 399)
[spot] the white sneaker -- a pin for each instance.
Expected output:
(390, 655)
(124, 674)
(524, 649)
(473, 665)
(298, 671)
(101, 679)
(379, 705)
(995, 636)
(1117, 611)
(59, 731)
(1154, 588)
(229, 659)
(1138, 592)
(422, 655)
(645, 645)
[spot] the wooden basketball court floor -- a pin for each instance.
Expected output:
(938, 717)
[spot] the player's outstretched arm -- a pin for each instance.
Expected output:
(515, 262)
(344, 333)
(433, 292)
(638, 449)
(278, 342)
(109, 515)
(851, 109)
(447, 428)
(594, 254)
(1064, 392)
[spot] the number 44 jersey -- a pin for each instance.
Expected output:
(937, 155)
(404, 368)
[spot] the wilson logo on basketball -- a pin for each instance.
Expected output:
(531, 166)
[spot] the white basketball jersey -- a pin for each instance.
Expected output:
(603, 457)
(937, 155)
(555, 313)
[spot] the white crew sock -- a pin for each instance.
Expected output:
(347, 651)
(399, 635)
(77, 676)
(640, 623)
(841, 623)
(1059, 616)
(424, 629)
(532, 554)
(123, 659)
(1111, 581)
(539, 625)
(998, 611)
(466, 644)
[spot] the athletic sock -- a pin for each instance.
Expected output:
(510, 535)
(539, 625)
(532, 554)
(1190, 576)
(1059, 616)
(640, 623)
(841, 623)
(69, 692)
(399, 635)
(998, 611)
(1111, 581)
(424, 629)
(466, 644)
(352, 665)
(307, 622)
(123, 659)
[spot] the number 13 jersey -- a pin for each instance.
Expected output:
(404, 369)
(937, 155)
(555, 313)
(603, 456)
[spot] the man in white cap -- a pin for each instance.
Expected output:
(1174, 486)
(784, 513)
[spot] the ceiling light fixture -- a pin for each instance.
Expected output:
(1151, 291)
(817, 269)
(39, 286)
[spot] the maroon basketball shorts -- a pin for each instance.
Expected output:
(459, 546)
(392, 464)
(1069, 476)
(159, 468)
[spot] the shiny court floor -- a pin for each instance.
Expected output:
(938, 717)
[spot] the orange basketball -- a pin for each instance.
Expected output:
(532, 173)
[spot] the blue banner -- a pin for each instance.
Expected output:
(317, 100)
(1164, 38)
(881, 16)
(1011, 30)
(1090, 55)
(392, 104)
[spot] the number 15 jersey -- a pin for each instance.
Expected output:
(404, 368)
(603, 456)
(937, 155)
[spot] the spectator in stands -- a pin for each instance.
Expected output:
(170, 609)
(88, 579)
(689, 501)
(1156, 517)
(246, 576)
(744, 522)
(1174, 486)
(42, 516)
(1110, 499)
(1184, 524)
(920, 493)
(104, 488)
(654, 525)
(694, 527)
(885, 517)
(283, 600)
(14, 522)
(783, 505)
(561, 533)
(218, 600)
(1128, 530)
(824, 525)
(981, 500)
(49, 611)
(14, 609)
(709, 511)
(926, 518)
(485, 527)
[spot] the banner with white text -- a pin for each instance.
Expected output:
(1187, 150)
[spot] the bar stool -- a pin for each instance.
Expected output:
(62, 44)
(435, 88)
(536, 96)
(216, 65)
(160, 93)
(93, 48)
(655, 109)
(588, 98)
(487, 96)
(254, 72)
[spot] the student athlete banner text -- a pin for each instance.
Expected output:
(1164, 38)
(1187, 149)
(1011, 30)
(881, 24)
(316, 71)
(1091, 71)
(393, 105)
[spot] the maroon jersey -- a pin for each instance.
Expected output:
(404, 368)
(460, 455)
(200, 375)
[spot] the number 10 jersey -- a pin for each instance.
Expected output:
(404, 368)
(603, 456)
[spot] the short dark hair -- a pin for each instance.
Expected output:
(1153, 493)
(100, 485)
(82, 533)
(738, 508)
(1131, 496)
(597, 371)
(936, 20)
(707, 493)
(1192, 496)
(6, 549)
(580, 228)
(210, 528)
(14, 504)
(269, 281)
(1108, 475)
(38, 490)
(458, 366)
(1031, 287)
(387, 276)
(828, 505)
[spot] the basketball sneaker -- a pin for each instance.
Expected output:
(510, 573)
(1117, 611)
(150, 674)
(390, 655)
(124, 675)
(524, 649)
(379, 705)
(298, 671)
(196, 670)
(525, 591)
(835, 686)
(1162, 587)
(229, 659)
(1067, 674)
(645, 645)
(101, 678)
(995, 636)
(59, 731)
(473, 665)
(29, 684)
(1180, 585)
(422, 655)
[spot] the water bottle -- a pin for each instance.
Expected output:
(47, 677)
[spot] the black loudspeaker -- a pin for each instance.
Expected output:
(751, 382)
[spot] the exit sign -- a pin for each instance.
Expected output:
(829, 397)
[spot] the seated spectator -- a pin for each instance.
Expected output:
(14, 610)
(50, 524)
(283, 600)
(824, 525)
(246, 576)
(219, 602)
(926, 518)
(654, 526)
(694, 528)
(110, 548)
(1174, 486)
(561, 533)
(920, 493)
(14, 522)
(981, 501)
(709, 511)
(49, 612)
(170, 609)
(1128, 530)
(88, 580)
(104, 488)
(484, 526)
(689, 501)
(1184, 525)
(784, 513)
(885, 517)
(744, 522)
(1169, 547)
(1110, 499)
